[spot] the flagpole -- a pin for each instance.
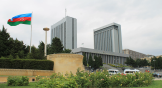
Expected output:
(31, 32)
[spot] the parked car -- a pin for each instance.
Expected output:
(113, 71)
(156, 75)
(130, 71)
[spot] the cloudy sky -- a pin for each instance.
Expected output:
(140, 20)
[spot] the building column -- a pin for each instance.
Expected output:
(113, 59)
(122, 61)
(119, 60)
(102, 58)
(109, 59)
(106, 59)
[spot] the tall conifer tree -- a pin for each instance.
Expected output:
(84, 60)
(56, 46)
(4, 36)
(90, 61)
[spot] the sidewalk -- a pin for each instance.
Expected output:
(158, 79)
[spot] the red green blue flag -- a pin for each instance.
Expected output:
(20, 19)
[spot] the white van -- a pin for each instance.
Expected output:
(130, 71)
(113, 71)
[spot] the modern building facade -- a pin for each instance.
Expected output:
(66, 31)
(107, 44)
(108, 38)
(133, 54)
(107, 56)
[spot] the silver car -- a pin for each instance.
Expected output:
(113, 71)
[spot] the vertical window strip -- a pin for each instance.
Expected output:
(62, 33)
(104, 41)
(72, 33)
(107, 40)
(98, 41)
(94, 41)
(52, 34)
(65, 34)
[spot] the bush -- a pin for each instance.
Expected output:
(26, 64)
(17, 81)
(58, 82)
(99, 79)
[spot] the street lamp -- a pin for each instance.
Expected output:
(45, 48)
(154, 65)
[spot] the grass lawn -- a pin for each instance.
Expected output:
(154, 84)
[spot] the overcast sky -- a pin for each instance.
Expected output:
(140, 20)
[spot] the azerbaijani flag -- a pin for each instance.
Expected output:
(20, 19)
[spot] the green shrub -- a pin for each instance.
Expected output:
(56, 83)
(17, 81)
(82, 79)
(27, 64)
(98, 79)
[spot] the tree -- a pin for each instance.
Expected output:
(21, 53)
(132, 62)
(145, 62)
(26, 50)
(84, 60)
(90, 61)
(127, 61)
(4, 36)
(29, 56)
(41, 50)
(156, 62)
(100, 61)
(17, 57)
(34, 52)
(56, 46)
(96, 62)
(138, 62)
(66, 51)
(10, 57)
(9, 46)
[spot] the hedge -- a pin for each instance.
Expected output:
(26, 64)
(17, 81)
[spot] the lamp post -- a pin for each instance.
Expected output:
(154, 65)
(45, 46)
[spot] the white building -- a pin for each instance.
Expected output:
(107, 56)
(107, 44)
(66, 31)
(108, 38)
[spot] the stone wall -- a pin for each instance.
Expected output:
(62, 63)
(25, 72)
(66, 62)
